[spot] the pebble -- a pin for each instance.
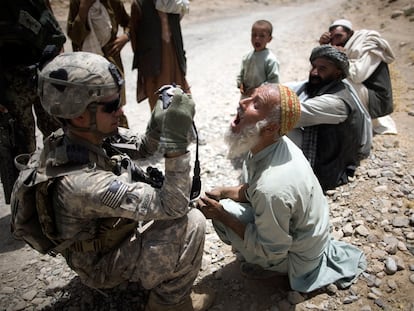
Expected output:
(390, 266)
(350, 299)
(392, 284)
(295, 297)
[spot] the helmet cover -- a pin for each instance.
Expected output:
(72, 81)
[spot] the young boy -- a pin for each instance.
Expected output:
(260, 65)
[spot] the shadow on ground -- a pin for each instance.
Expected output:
(7, 242)
(77, 296)
(242, 293)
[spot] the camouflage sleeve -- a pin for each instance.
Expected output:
(136, 146)
(99, 194)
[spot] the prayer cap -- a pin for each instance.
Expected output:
(289, 109)
(333, 54)
(341, 22)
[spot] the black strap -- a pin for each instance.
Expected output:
(196, 186)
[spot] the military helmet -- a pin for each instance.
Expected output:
(72, 81)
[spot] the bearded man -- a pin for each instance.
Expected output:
(278, 218)
(332, 130)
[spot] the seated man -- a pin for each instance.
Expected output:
(331, 127)
(278, 219)
(369, 55)
(99, 204)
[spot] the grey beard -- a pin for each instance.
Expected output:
(240, 143)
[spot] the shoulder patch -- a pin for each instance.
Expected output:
(113, 196)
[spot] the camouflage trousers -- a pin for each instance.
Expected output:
(21, 97)
(165, 259)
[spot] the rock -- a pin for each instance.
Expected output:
(409, 11)
(362, 230)
(7, 290)
(331, 289)
(376, 292)
(400, 221)
(29, 295)
(399, 262)
(372, 296)
(378, 253)
(379, 189)
(350, 299)
(392, 284)
(390, 266)
(396, 14)
(391, 248)
(348, 229)
(295, 297)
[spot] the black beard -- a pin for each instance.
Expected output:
(312, 89)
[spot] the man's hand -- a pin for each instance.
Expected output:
(211, 208)
(235, 193)
(325, 38)
(215, 194)
(118, 44)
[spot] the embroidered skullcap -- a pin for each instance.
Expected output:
(341, 22)
(289, 109)
(333, 54)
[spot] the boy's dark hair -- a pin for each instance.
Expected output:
(265, 23)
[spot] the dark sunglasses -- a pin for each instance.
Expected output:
(111, 106)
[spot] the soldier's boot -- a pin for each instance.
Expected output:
(195, 302)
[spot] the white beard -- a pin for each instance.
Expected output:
(240, 143)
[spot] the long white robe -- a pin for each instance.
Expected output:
(287, 221)
(366, 49)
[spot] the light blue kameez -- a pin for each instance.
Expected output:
(287, 220)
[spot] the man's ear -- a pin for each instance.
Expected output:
(271, 129)
(339, 74)
(82, 120)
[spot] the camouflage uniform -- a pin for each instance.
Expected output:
(165, 258)
(98, 204)
(20, 96)
(26, 28)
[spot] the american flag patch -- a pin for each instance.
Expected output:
(112, 197)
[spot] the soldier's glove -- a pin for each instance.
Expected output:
(153, 131)
(178, 119)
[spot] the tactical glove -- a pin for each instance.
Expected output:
(178, 120)
(153, 131)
